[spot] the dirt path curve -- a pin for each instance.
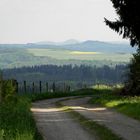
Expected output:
(54, 124)
(127, 128)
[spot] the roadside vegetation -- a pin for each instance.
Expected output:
(16, 121)
(109, 97)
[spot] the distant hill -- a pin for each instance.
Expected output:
(74, 45)
(89, 45)
(67, 42)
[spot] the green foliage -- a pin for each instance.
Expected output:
(8, 90)
(133, 83)
(128, 25)
(128, 22)
(127, 105)
(16, 121)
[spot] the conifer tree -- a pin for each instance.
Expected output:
(128, 25)
(128, 22)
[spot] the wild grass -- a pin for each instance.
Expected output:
(16, 121)
(77, 55)
(125, 104)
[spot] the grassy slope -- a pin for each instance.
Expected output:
(16, 121)
(127, 105)
(68, 54)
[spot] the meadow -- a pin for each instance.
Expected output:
(19, 56)
(79, 55)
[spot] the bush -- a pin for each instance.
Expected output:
(8, 90)
(16, 121)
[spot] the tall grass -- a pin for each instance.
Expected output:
(16, 121)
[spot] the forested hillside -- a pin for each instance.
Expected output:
(75, 73)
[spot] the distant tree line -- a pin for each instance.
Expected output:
(54, 73)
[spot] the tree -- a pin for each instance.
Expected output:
(128, 21)
(133, 83)
(128, 25)
(1, 86)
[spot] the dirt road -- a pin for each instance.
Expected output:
(121, 125)
(55, 124)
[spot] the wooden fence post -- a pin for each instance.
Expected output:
(85, 86)
(25, 88)
(33, 87)
(68, 88)
(47, 87)
(17, 87)
(64, 87)
(53, 87)
(40, 86)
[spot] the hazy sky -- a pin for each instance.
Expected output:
(23, 21)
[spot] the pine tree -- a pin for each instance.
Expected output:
(128, 25)
(133, 83)
(1, 87)
(128, 21)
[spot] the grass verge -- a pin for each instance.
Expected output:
(99, 131)
(128, 105)
(16, 121)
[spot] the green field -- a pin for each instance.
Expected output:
(68, 54)
(22, 56)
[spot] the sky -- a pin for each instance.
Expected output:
(29, 21)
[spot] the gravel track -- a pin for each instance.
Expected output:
(127, 128)
(55, 124)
